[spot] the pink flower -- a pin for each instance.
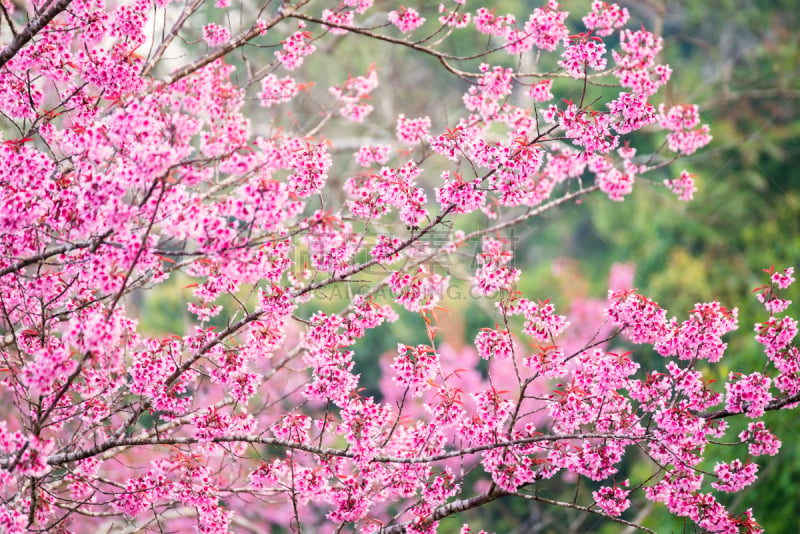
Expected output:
(412, 130)
(361, 5)
(367, 155)
(295, 49)
(605, 18)
(494, 274)
(748, 393)
(544, 29)
(541, 322)
(612, 499)
(419, 292)
(487, 22)
(407, 19)
(633, 112)
(735, 476)
(760, 440)
(494, 343)
(783, 279)
(352, 93)
(216, 35)
(683, 187)
(453, 18)
(541, 91)
(415, 367)
(276, 91)
(582, 53)
(466, 196)
(342, 18)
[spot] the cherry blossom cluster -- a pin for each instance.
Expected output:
(487, 22)
(407, 19)
(420, 291)
(412, 130)
(639, 50)
(415, 367)
(465, 196)
(492, 87)
(683, 186)
(583, 52)
(681, 121)
(612, 499)
(544, 29)
(605, 18)
(215, 35)
(453, 18)
(541, 91)
(276, 90)
(353, 92)
(767, 294)
(493, 343)
(367, 155)
(495, 273)
(633, 110)
(295, 49)
(340, 17)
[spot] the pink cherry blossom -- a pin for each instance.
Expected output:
(612, 500)
(605, 18)
(683, 186)
(407, 19)
(582, 53)
(412, 130)
(541, 91)
(277, 91)
(206, 248)
(215, 35)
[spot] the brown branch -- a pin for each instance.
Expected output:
(8, 20)
(142, 246)
(451, 508)
(54, 252)
(240, 40)
(445, 58)
(532, 213)
(588, 509)
(188, 10)
(63, 458)
(33, 27)
(776, 404)
(441, 56)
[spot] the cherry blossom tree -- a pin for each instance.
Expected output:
(146, 143)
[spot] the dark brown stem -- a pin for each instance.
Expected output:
(451, 508)
(95, 243)
(776, 404)
(33, 27)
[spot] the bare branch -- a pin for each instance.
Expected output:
(240, 40)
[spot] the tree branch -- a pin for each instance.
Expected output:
(53, 252)
(451, 508)
(588, 509)
(776, 404)
(230, 46)
(63, 458)
(33, 27)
